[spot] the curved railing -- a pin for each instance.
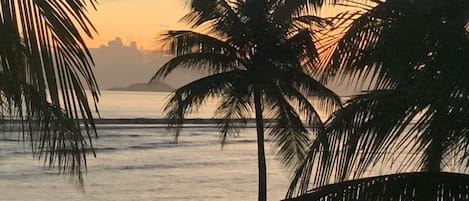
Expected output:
(416, 186)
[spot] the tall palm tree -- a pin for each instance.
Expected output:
(417, 54)
(257, 54)
(45, 68)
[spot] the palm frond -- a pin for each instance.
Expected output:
(291, 109)
(288, 131)
(48, 65)
(267, 44)
(211, 63)
(405, 187)
(288, 8)
(353, 136)
(63, 135)
(182, 42)
(376, 121)
(410, 48)
(350, 52)
(309, 20)
(189, 97)
(328, 100)
(197, 50)
(302, 44)
(217, 12)
(359, 135)
(233, 110)
(317, 156)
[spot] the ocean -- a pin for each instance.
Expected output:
(141, 162)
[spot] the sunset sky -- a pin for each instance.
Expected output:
(141, 20)
(135, 20)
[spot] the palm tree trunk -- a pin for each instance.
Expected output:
(435, 158)
(260, 147)
(435, 150)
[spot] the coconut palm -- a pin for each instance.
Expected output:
(416, 52)
(256, 54)
(45, 68)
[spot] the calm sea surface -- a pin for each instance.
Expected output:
(139, 163)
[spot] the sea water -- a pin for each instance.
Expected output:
(142, 163)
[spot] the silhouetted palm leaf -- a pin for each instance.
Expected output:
(256, 53)
(417, 52)
(402, 187)
(191, 96)
(45, 70)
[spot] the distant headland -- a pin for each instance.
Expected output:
(153, 86)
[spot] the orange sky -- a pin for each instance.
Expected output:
(135, 20)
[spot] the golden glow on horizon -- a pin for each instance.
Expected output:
(143, 20)
(136, 20)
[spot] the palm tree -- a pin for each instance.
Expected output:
(416, 52)
(45, 68)
(257, 54)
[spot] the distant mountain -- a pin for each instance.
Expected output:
(154, 86)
